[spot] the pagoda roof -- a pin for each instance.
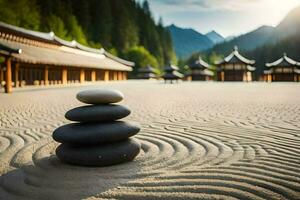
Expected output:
(146, 76)
(236, 57)
(147, 69)
(173, 75)
(199, 64)
(51, 38)
(170, 68)
(284, 61)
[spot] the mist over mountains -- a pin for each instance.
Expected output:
(263, 37)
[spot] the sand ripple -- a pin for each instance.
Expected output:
(195, 149)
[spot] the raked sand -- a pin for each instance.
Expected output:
(199, 141)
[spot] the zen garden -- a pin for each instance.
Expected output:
(109, 99)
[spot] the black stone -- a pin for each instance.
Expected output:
(100, 155)
(97, 113)
(95, 133)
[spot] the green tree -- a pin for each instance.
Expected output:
(75, 31)
(56, 25)
(24, 13)
(142, 57)
(119, 25)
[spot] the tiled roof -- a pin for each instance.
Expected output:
(284, 61)
(199, 64)
(62, 56)
(236, 57)
(68, 52)
(147, 69)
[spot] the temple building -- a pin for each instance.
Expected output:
(235, 67)
(171, 73)
(35, 58)
(283, 69)
(200, 71)
(147, 72)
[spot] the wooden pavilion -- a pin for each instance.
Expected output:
(200, 71)
(171, 73)
(147, 72)
(36, 58)
(283, 69)
(235, 67)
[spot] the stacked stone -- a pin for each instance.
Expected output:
(98, 138)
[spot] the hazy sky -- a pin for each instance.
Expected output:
(228, 17)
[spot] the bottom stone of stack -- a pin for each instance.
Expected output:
(101, 155)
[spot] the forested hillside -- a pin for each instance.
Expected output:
(123, 27)
(271, 52)
(246, 42)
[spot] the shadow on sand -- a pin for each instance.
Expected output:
(48, 178)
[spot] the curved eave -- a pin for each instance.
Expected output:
(284, 61)
(171, 68)
(239, 59)
(251, 68)
(6, 50)
(120, 60)
(208, 72)
(199, 64)
(146, 70)
(63, 56)
(45, 37)
(173, 75)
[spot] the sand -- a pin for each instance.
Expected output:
(199, 141)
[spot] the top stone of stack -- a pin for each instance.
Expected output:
(100, 96)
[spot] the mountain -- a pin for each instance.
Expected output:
(188, 41)
(246, 42)
(289, 26)
(215, 37)
(285, 39)
(229, 38)
(264, 35)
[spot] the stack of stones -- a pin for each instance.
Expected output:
(97, 139)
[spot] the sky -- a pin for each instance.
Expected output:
(227, 17)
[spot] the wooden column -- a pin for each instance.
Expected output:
(1, 75)
(115, 75)
(82, 76)
(106, 75)
(17, 75)
(120, 76)
(222, 76)
(8, 75)
(124, 76)
(93, 75)
(46, 75)
(64, 75)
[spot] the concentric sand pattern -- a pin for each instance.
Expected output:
(98, 140)
(199, 141)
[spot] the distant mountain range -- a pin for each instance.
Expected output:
(264, 35)
(189, 41)
(215, 37)
(284, 39)
(245, 42)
